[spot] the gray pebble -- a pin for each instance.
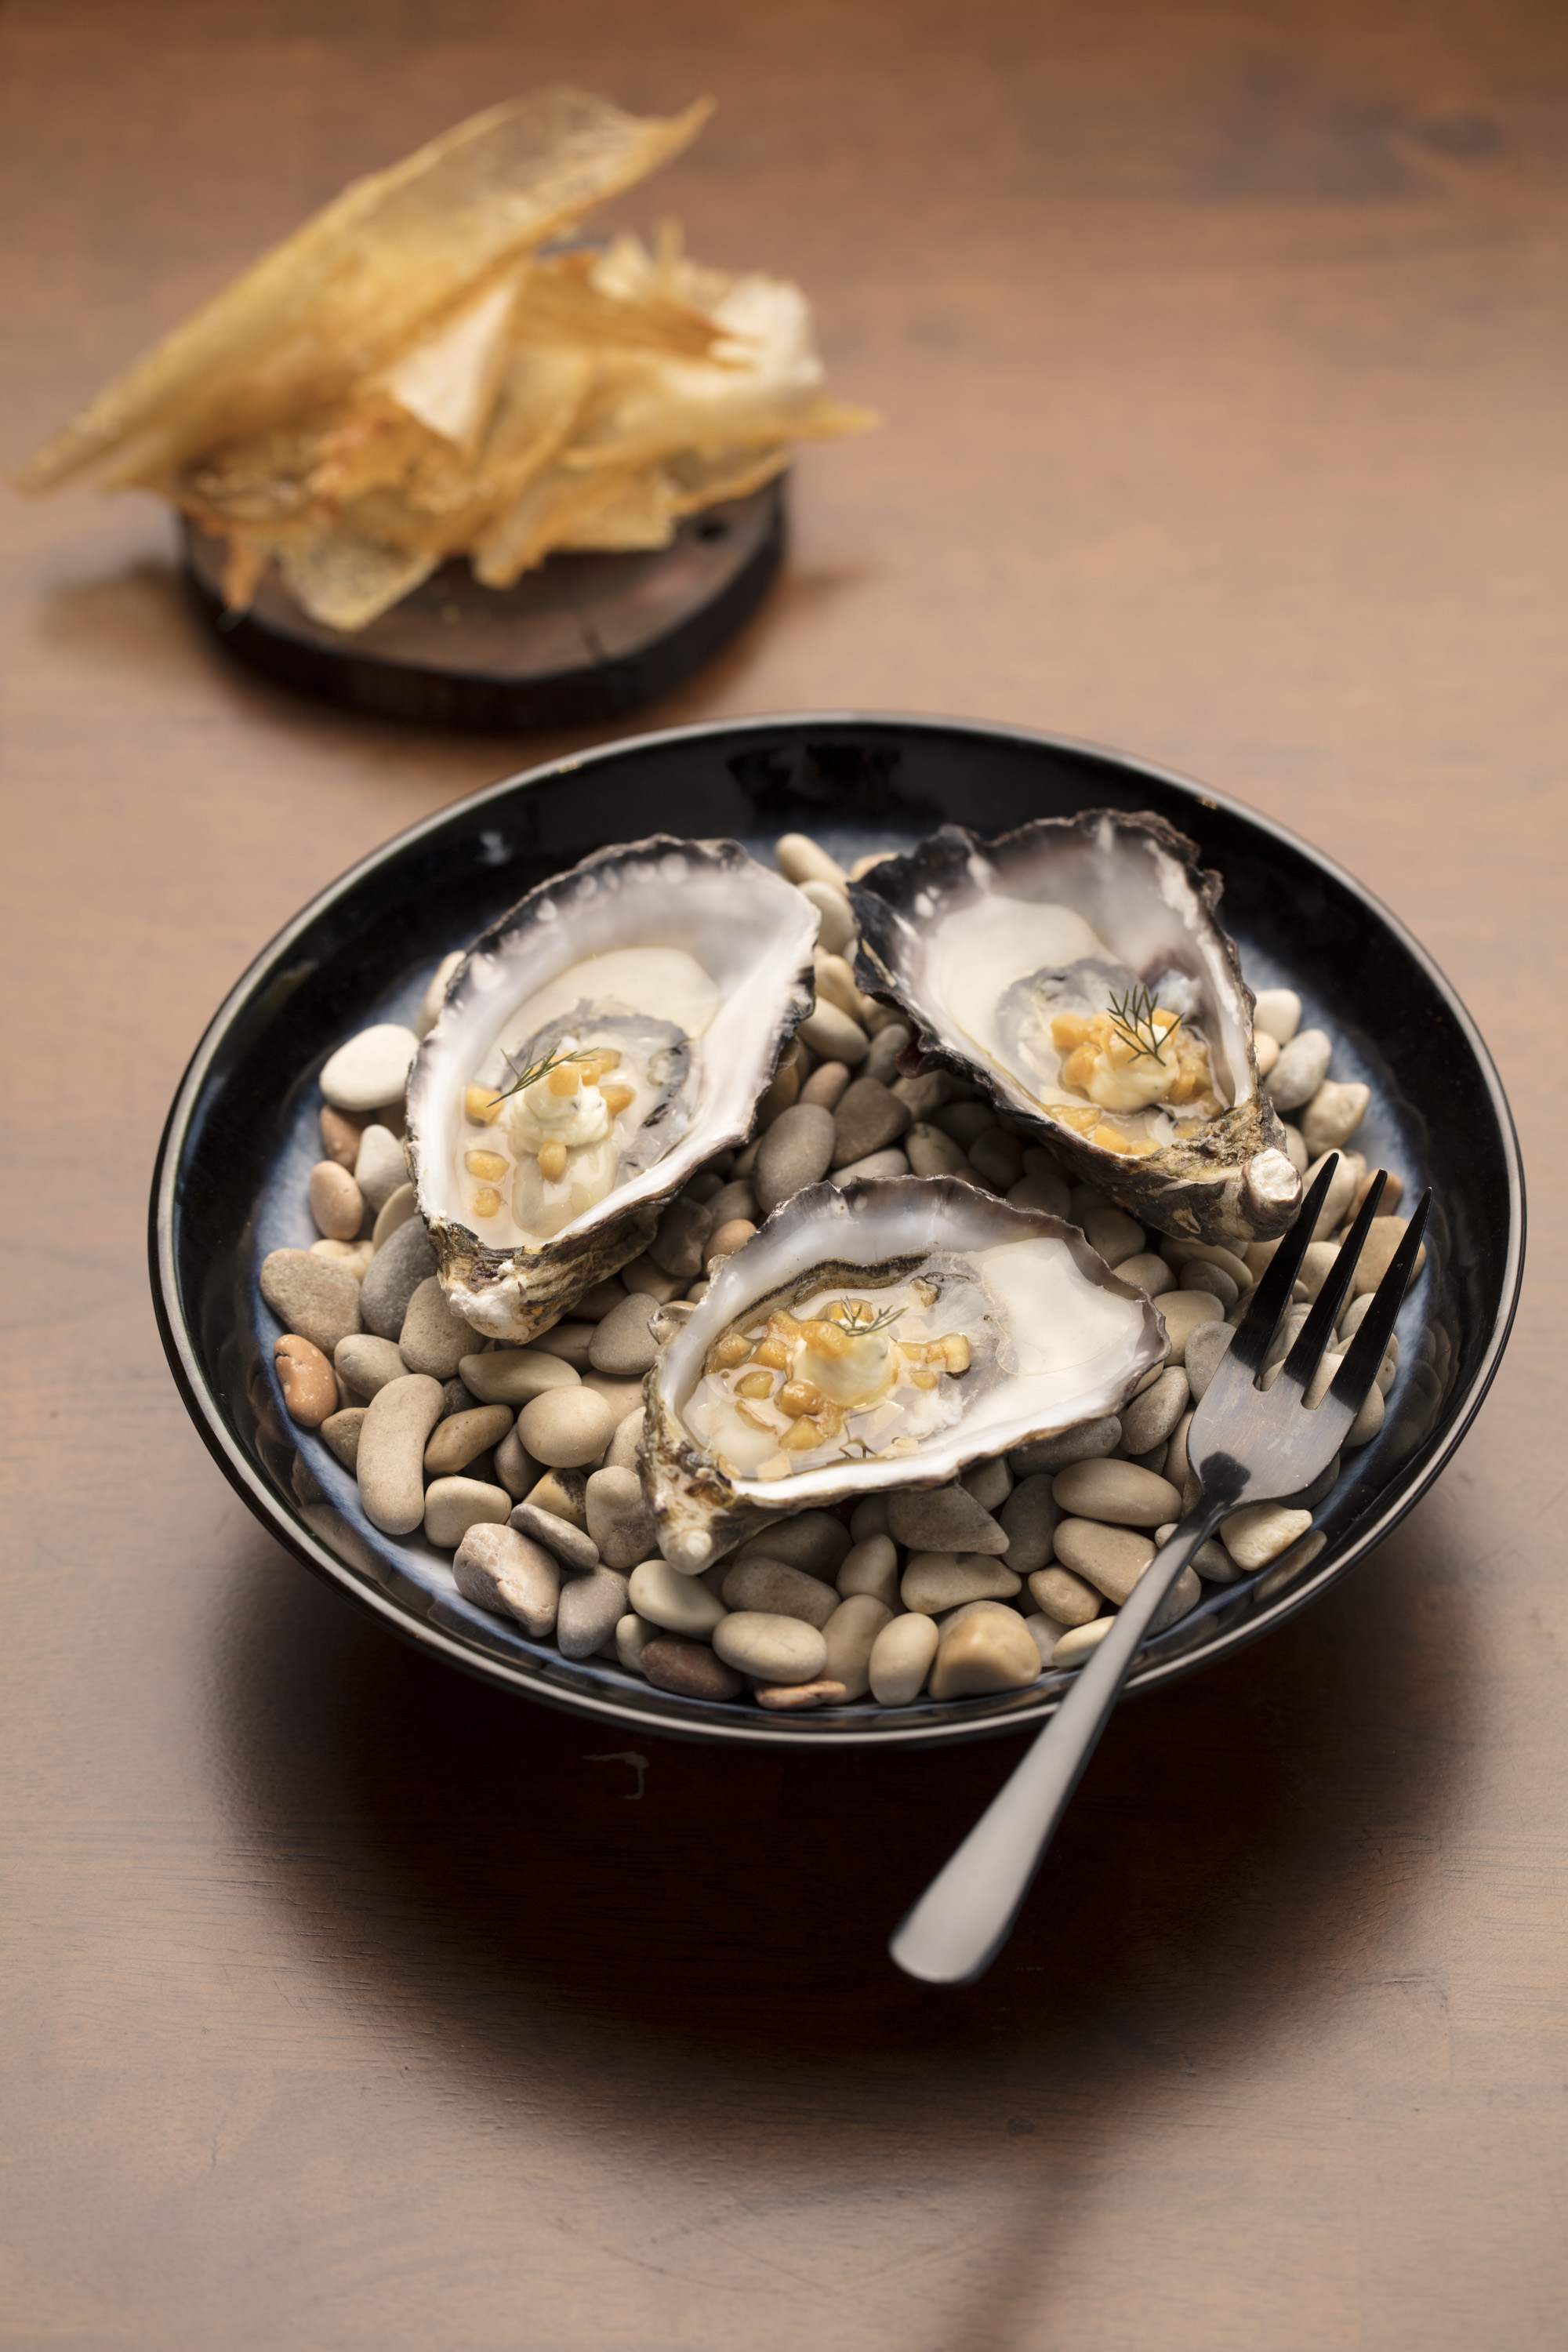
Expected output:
(460, 1396)
(967, 1120)
(867, 1120)
(735, 1198)
(997, 1155)
(404, 1261)
(1118, 1492)
(883, 1061)
(435, 1338)
(590, 1609)
(307, 1486)
(933, 1153)
(1211, 1278)
(569, 1341)
(559, 1537)
(1333, 1116)
(619, 1519)
(379, 1168)
(943, 1519)
(678, 1246)
(777, 1590)
(496, 1567)
(1087, 1442)
(1041, 1188)
(1154, 1459)
(990, 1482)
(797, 1151)
(596, 1303)
(925, 1094)
(643, 1275)
(832, 1035)
(391, 1461)
(1028, 1518)
(1148, 1272)
(460, 1439)
(1206, 1346)
(454, 1505)
(1296, 1150)
(311, 1295)
(366, 1364)
(869, 1517)
(342, 1431)
(813, 1540)
(623, 1344)
(875, 1167)
(516, 1469)
(1150, 1418)
(1302, 1067)
(772, 1648)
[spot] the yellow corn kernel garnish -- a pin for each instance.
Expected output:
(732, 1349)
(756, 1384)
(925, 1379)
(486, 1201)
(617, 1099)
(552, 1162)
(775, 1353)
(801, 1436)
(488, 1164)
(796, 1397)
(955, 1352)
(1110, 1139)
(482, 1106)
(1070, 1029)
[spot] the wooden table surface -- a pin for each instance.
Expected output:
(350, 2003)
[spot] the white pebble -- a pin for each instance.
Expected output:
(369, 1069)
(681, 1604)
(901, 1658)
(1277, 1014)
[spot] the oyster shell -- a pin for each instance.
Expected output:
(959, 1327)
(605, 1037)
(1005, 954)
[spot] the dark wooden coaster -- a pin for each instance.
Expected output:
(583, 637)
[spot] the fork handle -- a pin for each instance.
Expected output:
(963, 1918)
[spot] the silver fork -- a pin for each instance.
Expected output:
(1247, 1444)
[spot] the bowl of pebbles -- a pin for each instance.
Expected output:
(451, 1327)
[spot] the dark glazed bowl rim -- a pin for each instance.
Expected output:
(659, 1714)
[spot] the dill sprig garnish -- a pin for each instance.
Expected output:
(848, 1312)
(1132, 1018)
(534, 1072)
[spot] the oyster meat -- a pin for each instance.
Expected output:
(874, 1337)
(1075, 970)
(609, 1034)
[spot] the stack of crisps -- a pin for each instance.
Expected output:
(431, 368)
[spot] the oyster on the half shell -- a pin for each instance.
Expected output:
(605, 1037)
(884, 1336)
(1075, 970)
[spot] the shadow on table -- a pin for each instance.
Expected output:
(499, 1876)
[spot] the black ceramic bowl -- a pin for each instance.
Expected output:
(241, 1137)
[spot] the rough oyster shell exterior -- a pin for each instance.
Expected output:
(1138, 882)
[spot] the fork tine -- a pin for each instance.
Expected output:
(1256, 1328)
(1313, 1337)
(1367, 1349)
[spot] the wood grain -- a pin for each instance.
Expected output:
(350, 2004)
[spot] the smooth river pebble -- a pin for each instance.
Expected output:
(435, 1338)
(619, 1519)
(306, 1376)
(1301, 1070)
(1151, 1417)
(568, 1543)
(404, 1261)
(943, 1519)
(991, 1650)
(935, 1580)
(797, 1151)
(496, 1567)
(688, 1670)
(515, 1376)
(1259, 1532)
(774, 1649)
(392, 1442)
(1086, 1443)
(452, 1506)
(850, 1636)
(590, 1609)
(1116, 1491)
(779, 1591)
(1029, 1519)
(901, 1658)
(1111, 1558)
(371, 1069)
(566, 1428)
(681, 1604)
(311, 1295)
(461, 1437)
(867, 1120)
(379, 1168)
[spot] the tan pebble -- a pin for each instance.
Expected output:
(1111, 1558)
(943, 1519)
(1333, 1116)
(1177, 1466)
(1029, 1517)
(1343, 1187)
(1064, 1596)
(461, 1437)
(1388, 1199)
(871, 1566)
(688, 1670)
(1267, 1049)
(339, 1136)
(1152, 1415)
(1299, 1556)
(619, 1519)
(800, 859)
(564, 1495)
(836, 931)
(935, 1580)
(366, 1363)
(836, 984)
(1119, 1492)
(930, 1153)
(772, 1648)
(869, 1517)
(827, 1084)
(1148, 1272)
(517, 1473)
(782, 1094)
(619, 1397)
(633, 1635)
(515, 1376)
(392, 1443)
(452, 1506)
(352, 1256)
(681, 1604)
(566, 1428)
(850, 1634)
(381, 1168)
(1114, 1235)
(596, 1303)
(834, 1035)
(1369, 1420)
(796, 1698)
(1317, 1264)
(776, 1589)
(650, 1281)
(370, 1070)
(623, 1452)
(496, 1567)
(435, 1338)
(1259, 1532)
(730, 1236)
(1212, 1253)
(901, 1658)
(1078, 1642)
(341, 1429)
(1277, 1013)
(311, 1295)
(1183, 1310)
(1383, 1238)
(569, 1341)
(991, 1650)
(813, 1540)
(399, 1207)
(306, 1378)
